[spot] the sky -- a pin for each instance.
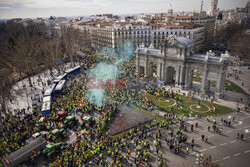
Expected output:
(45, 8)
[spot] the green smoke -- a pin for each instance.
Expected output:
(109, 70)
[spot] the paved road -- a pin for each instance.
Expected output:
(227, 149)
(243, 77)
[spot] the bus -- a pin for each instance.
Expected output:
(73, 71)
(59, 87)
(59, 78)
(46, 105)
(50, 90)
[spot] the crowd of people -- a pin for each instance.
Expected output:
(139, 146)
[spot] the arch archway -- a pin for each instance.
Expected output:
(152, 69)
(170, 75)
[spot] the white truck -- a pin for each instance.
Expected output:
(25, 153)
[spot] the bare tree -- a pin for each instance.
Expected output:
(70, 43)
(25, 51)
(52, 53)
(5, 70)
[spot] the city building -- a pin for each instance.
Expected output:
(111, 34)
(213, 8)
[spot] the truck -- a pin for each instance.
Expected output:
(25, 153)
(87, 121)
(70, 121)
(57, 133)
(52, 149)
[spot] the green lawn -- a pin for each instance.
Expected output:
(196, 79)
(228, 84)
(161, 101)
(234, 87)
(186, 107)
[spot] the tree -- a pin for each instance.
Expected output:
(5, 70)
(70, 41)
(25, 50)
(231, 37)
(52, 51)
(239, 45)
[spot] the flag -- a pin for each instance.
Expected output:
(58, 162)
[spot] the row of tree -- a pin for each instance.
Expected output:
(234, 37)
(26, 48)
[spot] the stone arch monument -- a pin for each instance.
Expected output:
(176, 62)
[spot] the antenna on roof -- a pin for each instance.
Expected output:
(201, 6)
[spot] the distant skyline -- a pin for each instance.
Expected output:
(45, 8)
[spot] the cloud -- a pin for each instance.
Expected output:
(55, 3)
(5, 8)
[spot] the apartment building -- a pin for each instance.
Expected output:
(111, 34)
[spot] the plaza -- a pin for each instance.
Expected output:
(163, 89)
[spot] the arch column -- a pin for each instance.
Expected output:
(204, 78)
(187, 75)
(137, 63)
(220, 83)
(163, 77)
(146, 65)
(159, 70)
(182, 77)
(177, 80)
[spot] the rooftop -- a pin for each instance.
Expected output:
(184, 41)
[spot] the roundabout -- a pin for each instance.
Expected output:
(167, 102)
(202, 108)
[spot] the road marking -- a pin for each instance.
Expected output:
(229, 131)
(212, 147)
(203, 150)
(238, 129)
(236, 154)
(246, 131)
(223, 144)
(226, 157)
(232, 141)
(247, 151)
(210, 135)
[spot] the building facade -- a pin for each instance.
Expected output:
(176, 63)
(110, 35)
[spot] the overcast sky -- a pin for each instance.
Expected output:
(46, 8)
